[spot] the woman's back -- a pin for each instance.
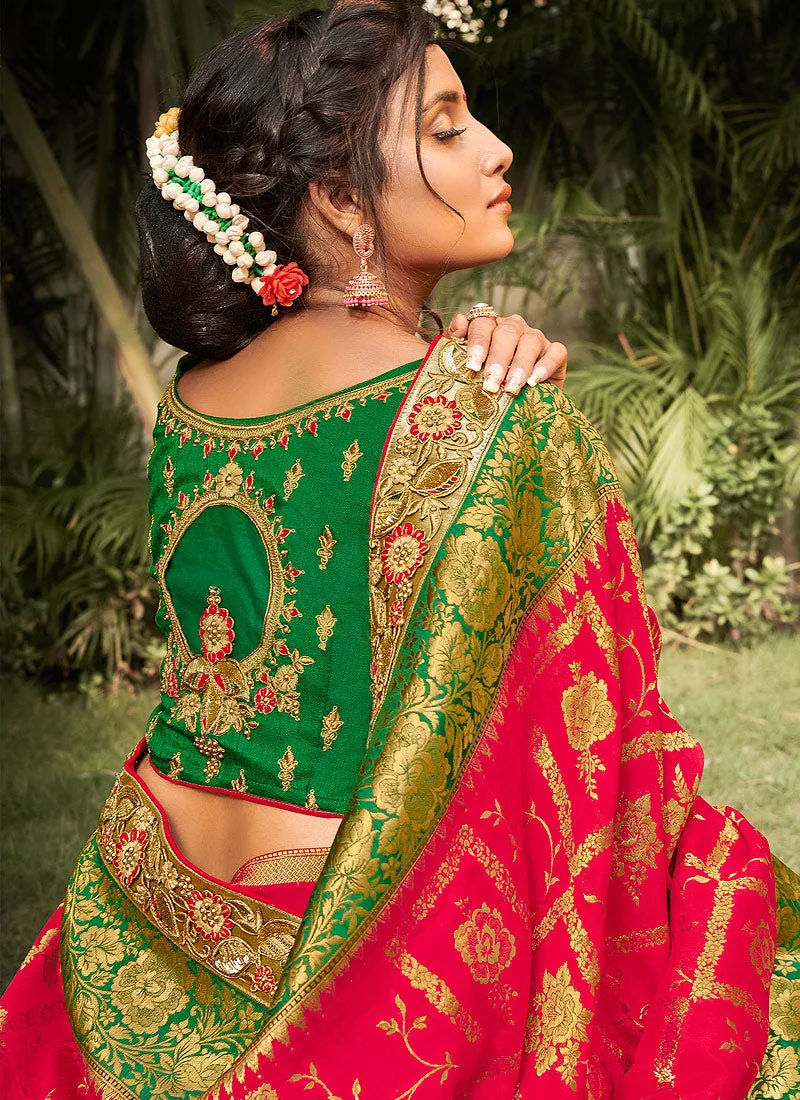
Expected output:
(260, 539)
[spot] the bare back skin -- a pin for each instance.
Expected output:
(303, 359)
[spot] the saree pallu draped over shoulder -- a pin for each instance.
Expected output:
(527, 897)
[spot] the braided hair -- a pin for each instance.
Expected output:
(270, 110)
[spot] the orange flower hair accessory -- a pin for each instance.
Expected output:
(212, 212)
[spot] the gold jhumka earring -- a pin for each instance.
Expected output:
(364, 289)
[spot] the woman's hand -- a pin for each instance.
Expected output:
(513, 352)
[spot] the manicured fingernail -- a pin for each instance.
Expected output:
(538, 375)
(513, 384)
(475, 359)
(491, 382)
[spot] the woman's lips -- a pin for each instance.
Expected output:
(500, 201)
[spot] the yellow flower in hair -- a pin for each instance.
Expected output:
(168, 122)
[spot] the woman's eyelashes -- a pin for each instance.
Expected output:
(446, 135)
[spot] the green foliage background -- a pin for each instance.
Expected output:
(656, 181)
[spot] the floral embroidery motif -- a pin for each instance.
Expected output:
(128, 854)
(293, 476)
(589, 717)
(326, 545)
(216, 629)
(311, 800)
(175, 767)
(434, 418)
(331, 724)
(264, 980)
(217, 687)
(326, 621)
(210, 915)
(239, 784)
(351, 457)
(265, 700)
(286, 768)
(556, 1027)
(486, 946)
(403, 553)
(169, 476)
(228, 481)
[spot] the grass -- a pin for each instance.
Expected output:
(61, 752)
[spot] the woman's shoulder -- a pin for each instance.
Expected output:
(549, 427)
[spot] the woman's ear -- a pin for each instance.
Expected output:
(338, 206)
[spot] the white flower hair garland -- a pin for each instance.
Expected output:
(213, 213)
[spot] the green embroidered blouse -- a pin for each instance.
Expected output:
(260, 548)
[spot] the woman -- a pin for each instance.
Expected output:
(410, 817)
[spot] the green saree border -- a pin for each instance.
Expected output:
(533, 502)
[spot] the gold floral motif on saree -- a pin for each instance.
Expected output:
(439, 439)
(239, 784)
(485, 944)
(214, 692)
(556, 1026)
(589, 717)
(245, 941)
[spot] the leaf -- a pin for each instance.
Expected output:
(473, 402)
(440, 478)
(390, 512)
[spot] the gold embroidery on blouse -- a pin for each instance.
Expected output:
(331, 724)
(293, 476)
(286, 768)
(351, 457)
(213, 435)
(326, 621)
(239, 784)
(175, 767)
(311, 800)
(169, 476)
(214, 692)
(326, 545)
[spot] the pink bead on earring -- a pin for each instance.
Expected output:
(364, 289)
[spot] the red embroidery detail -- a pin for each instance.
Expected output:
(128, 854)
(256, 449)
(184, 438)
(344, 411)
(233, 451)
(209, 914)
(171, 686)
(434, 418)
(265, 699)
(264, 980)
(208, 447)
(216, 629)
(208, 480)
(283, 440)
(183, 500)
(403, 553)
(311, 426)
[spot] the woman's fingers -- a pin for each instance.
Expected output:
(512, 340)
(512, 351)
(552, 366)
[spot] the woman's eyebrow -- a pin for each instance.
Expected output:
(445, 97)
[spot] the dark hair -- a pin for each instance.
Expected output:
(271, 109)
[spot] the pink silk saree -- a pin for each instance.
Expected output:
(527, 896)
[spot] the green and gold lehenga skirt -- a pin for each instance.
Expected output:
(527, 897)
